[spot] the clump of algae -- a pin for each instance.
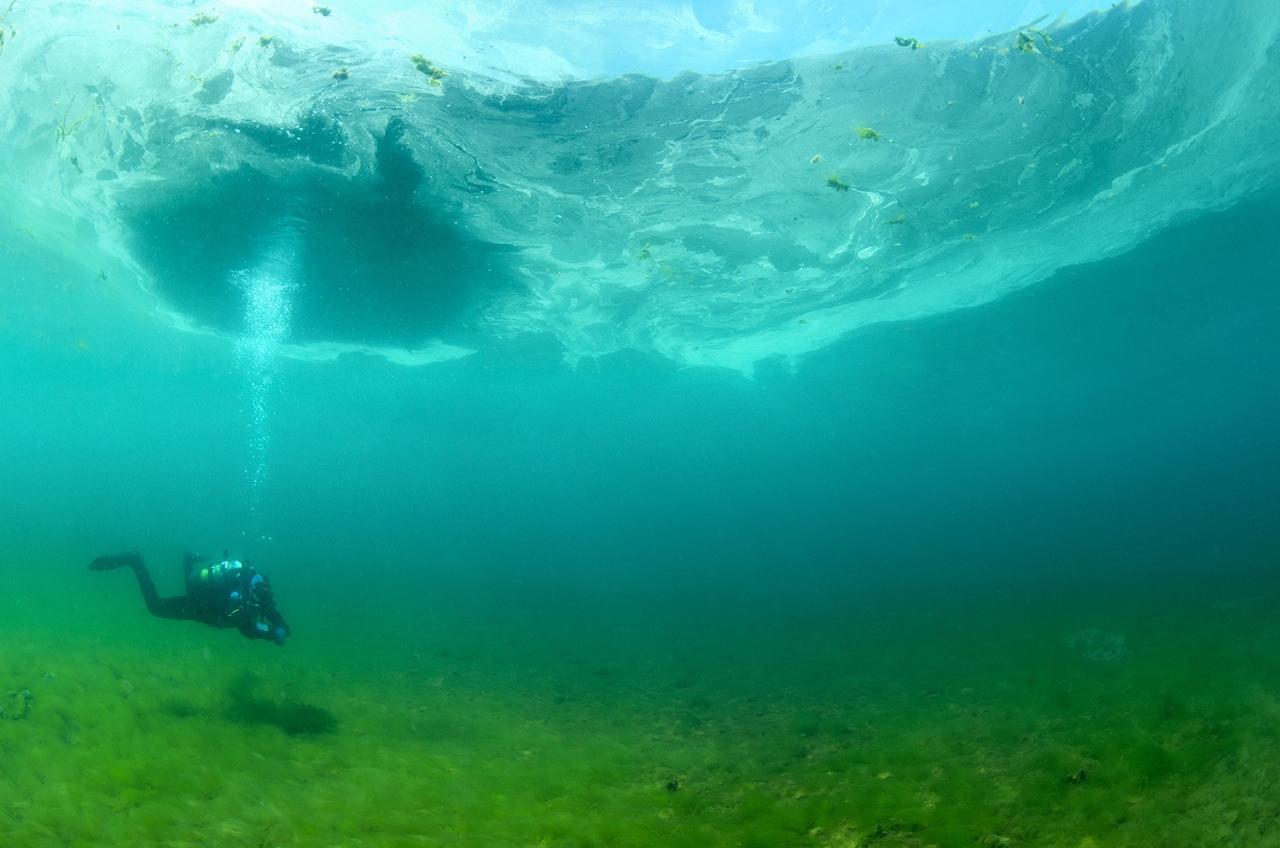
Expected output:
(11, 32)
(66, 127)
(1031, 40)
(433, 73)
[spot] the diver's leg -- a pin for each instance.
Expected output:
(162, 607)
(176, 607)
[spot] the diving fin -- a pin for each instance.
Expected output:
(132, 559)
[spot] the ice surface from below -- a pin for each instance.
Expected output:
(713, 220)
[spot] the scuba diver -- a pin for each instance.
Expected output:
(220, 594)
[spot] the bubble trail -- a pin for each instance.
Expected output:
(268, 290)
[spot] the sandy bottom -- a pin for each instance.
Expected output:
(1106, 716)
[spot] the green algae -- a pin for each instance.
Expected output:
(858, 729)
(431, 71)
(7, 32)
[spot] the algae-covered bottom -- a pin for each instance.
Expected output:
(1100, 713)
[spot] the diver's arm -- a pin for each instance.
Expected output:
(255, 630)
(262, 630)
(276, 629)
(274, 618)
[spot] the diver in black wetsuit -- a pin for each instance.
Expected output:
(220, 594)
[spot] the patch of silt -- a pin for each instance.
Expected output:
(375, 258)
(16, 705)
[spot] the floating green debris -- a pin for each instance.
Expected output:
(323, 11)
(341, 74)
(425, 67)
(65, 130)
(202, 19)
(1026, 42)
(264, 40)
(836, 183)
(903, 41)
(868, 133)
(897, 219)
(12, 32)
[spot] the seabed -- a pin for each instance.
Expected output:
(1100, 714)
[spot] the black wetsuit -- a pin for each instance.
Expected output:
(219, 594)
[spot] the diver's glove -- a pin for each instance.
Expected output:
(280, 635)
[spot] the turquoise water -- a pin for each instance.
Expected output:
(870, 448)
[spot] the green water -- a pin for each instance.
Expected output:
(1093, 664)
(624, 480)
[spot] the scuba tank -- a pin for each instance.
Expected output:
(215, 573)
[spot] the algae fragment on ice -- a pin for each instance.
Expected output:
(1026, 41)
(425, 67)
